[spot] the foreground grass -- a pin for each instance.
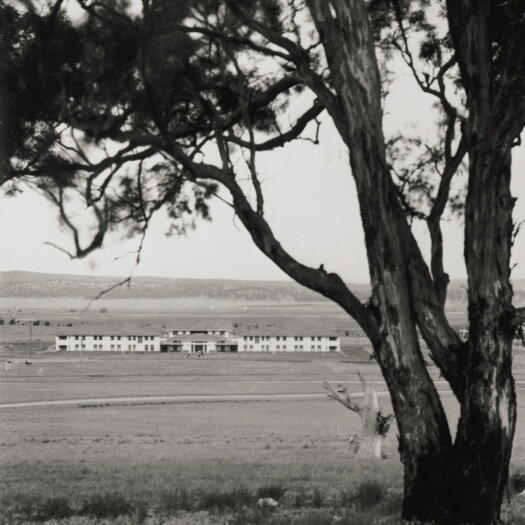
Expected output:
(368, 502)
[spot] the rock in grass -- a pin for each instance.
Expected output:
(267, 502)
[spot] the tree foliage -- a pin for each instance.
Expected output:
(137, 107)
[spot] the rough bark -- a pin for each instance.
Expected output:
(488, 412)
(424, 436)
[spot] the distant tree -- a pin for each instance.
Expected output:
(46, 323)
(1, 322)
(36, 323)
(136, 112)
(12, 322)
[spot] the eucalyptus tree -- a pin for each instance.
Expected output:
(137, 107)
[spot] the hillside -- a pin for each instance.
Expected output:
(30, 284)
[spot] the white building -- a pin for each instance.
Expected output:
(114, 340)
(288, 343)
(198, 342)
(192, 341)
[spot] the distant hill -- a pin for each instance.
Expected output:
(30, 284)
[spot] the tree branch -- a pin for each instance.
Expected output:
(452, 164)
(345, 400)
(291, 134)
(328, 284)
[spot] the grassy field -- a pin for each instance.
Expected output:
(138, 459)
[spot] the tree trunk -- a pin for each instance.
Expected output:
(443, 483)
(488, 413)
(371, 443)
(424, 436)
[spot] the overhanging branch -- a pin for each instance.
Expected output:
(282, 139)
(328, 284)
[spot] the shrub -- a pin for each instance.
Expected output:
(56, 508)
(176, 500)
(369, 493)
(517, 482)
(300, 500)
(318, 499)
(226, 500)
(111, 505)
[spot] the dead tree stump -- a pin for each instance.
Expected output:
(374, 425)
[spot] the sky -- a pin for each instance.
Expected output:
(310, 203)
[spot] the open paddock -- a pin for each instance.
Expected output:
(142, 448)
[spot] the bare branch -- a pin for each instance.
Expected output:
(229, 39)
(98, 238)
(283, 138)
(125, 281)
(452, 164)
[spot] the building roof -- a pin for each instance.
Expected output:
(185, 329)
(286, 332)
(199, 337)
(108, 330)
